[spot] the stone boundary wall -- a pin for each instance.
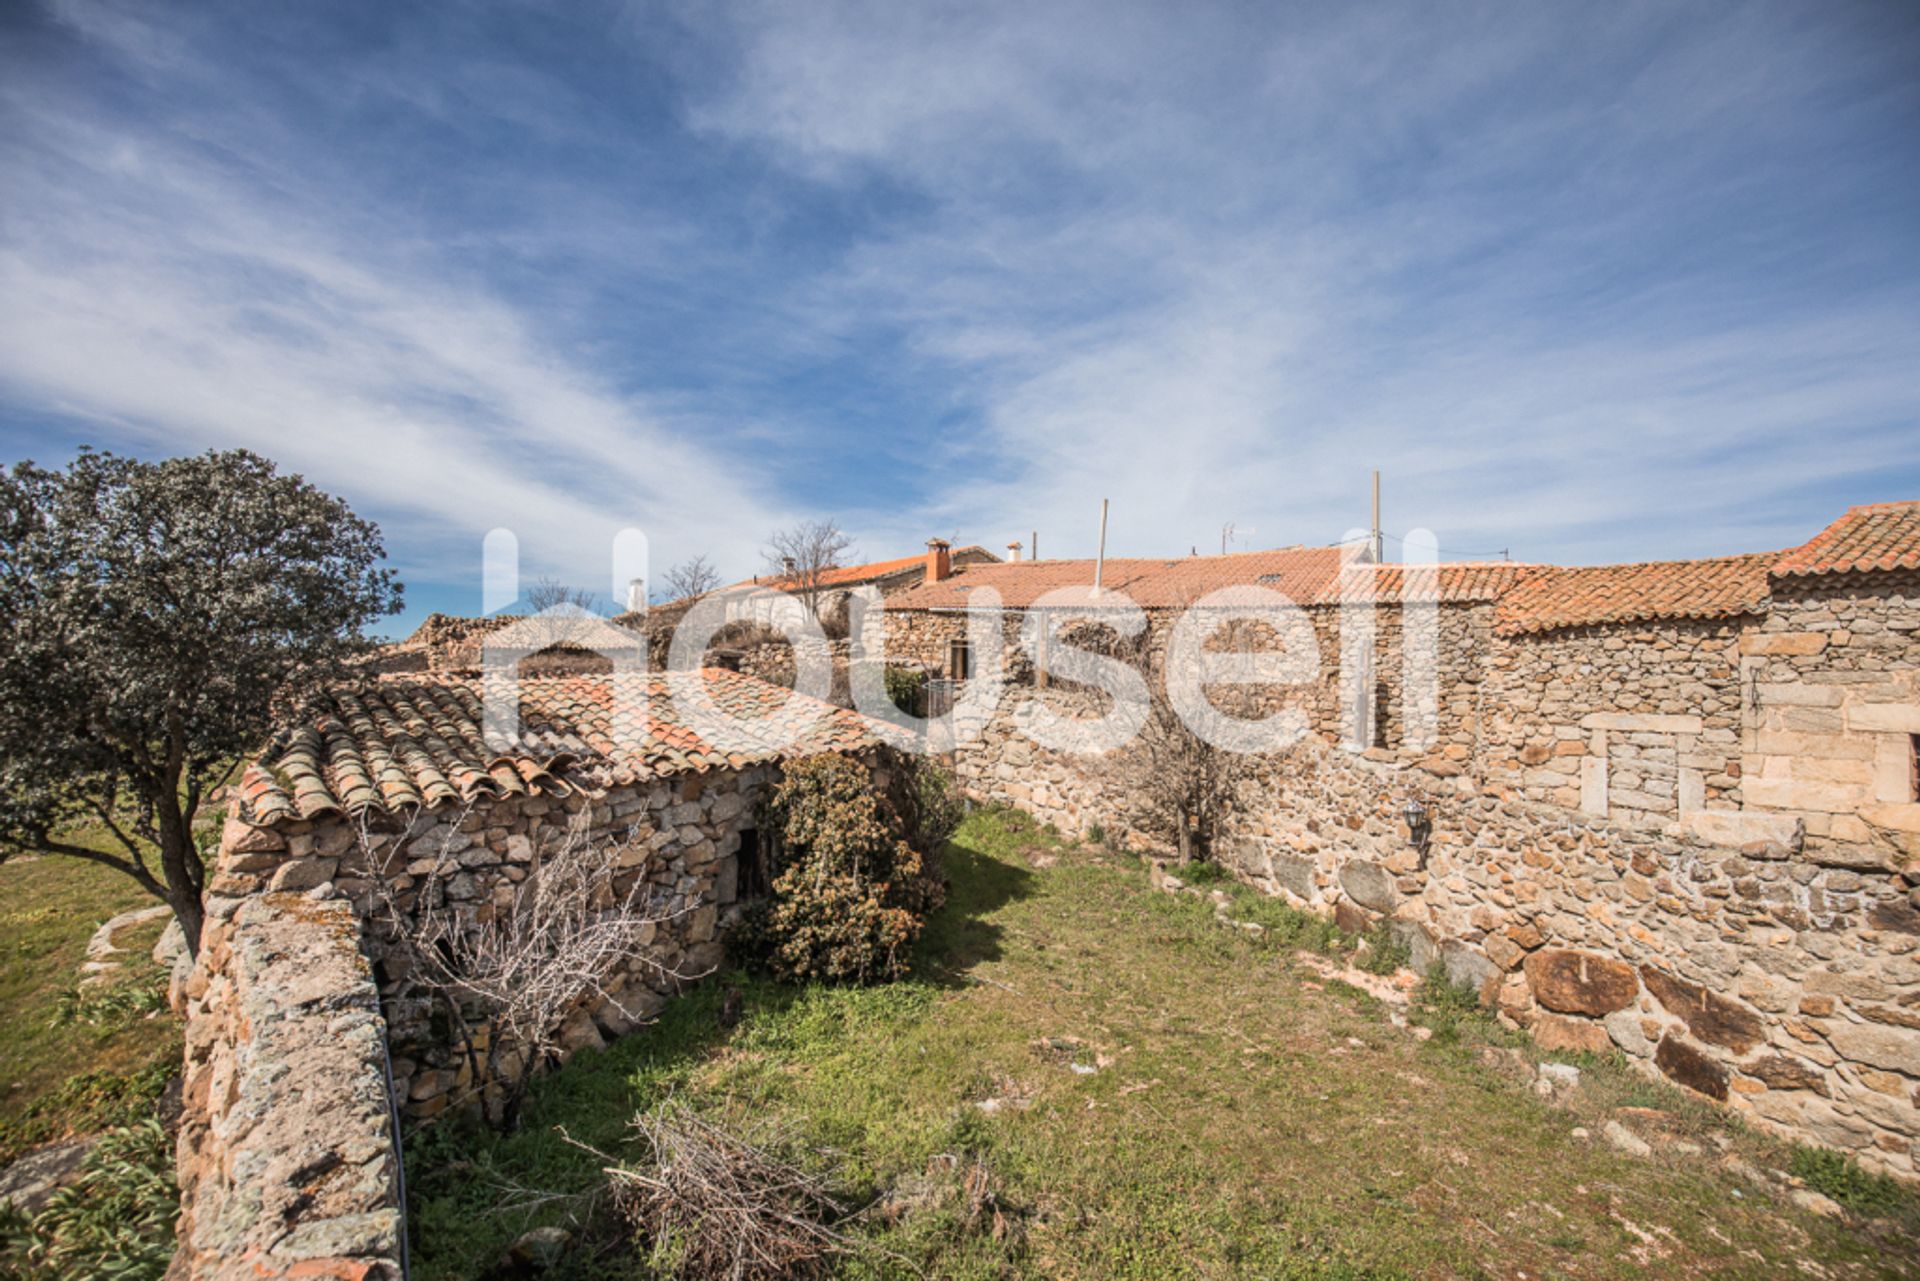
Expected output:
(287, 1162)
(1760, 976)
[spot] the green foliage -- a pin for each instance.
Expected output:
(1839, 1176)
(1385, 952)
(151, 617)
(923, 800)
(1096, 834)
(1201, 873)
(851, 895)
(906, 687)
(115, 1223)
(88, 1101)
(1444, 1005)
(109, 1006)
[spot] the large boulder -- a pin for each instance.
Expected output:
(1690, 1066)
(1574, 982)
(1370, 885)
(1711, 1017)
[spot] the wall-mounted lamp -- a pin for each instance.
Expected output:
(1419, 827)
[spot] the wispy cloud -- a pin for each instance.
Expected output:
(1585, 283)
(1578, 282)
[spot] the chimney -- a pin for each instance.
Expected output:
(636, 595)
(939, 562)
(788, 562)
(1013, 551)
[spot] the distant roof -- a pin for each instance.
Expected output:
(401, 743)
(1717, 587)
(854, 575)
(1302, 573)
(1454, 582)
(1877, 536)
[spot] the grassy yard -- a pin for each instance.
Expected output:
(1088, 1078)
(72, 1060)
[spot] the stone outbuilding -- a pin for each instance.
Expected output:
(380, 800)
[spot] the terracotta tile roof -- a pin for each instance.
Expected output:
(1453, 582)
(1302, 573)
(1877, 536)
(1719, 587)
(854, 575)
(401, 743)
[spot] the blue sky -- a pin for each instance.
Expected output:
(1587, 282)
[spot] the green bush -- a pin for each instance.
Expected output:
(1838, 1175)
(850, 895)
(1385, 953)
(1096, 834)
(922, 798)
(115, 1223)
(906, 687)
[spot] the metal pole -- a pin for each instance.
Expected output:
(1377, 548)
(1034, 554)
(1100, 564)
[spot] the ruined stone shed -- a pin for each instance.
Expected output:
(372, 795)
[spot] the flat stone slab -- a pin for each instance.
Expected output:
(29, 1183)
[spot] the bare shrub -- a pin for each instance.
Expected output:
(548, 592)
(689, 580)
(1180, 784)
(801, 557)
(521, 965)
(706, 1203)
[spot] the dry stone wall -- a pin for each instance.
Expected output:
(287, 1162)
(1640, 723)
(302, 998)
(1758, 976)
(1832, 683)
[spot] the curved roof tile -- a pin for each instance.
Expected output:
(406, 742)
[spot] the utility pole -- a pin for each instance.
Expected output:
(1226, 534)
(1100, 565)
(1378, 549)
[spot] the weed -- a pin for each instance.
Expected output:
(1839, 1176)
(1385, 953)
(1445, 1006)
(1096, 834)
(1203, 873)
(114, 1223)
(109, 1006)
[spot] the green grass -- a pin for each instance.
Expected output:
(75, 1060)
(1238, 1122)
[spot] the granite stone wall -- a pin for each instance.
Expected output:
(1764, 976)
(287, 1163)
(302, 998)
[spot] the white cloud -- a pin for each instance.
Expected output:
(1217, 270)
(171, 300)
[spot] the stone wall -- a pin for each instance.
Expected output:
(302, 995)
(1832, 684)
(684, 836)
(1762, 977)
(287, 1162)
(1640, 723)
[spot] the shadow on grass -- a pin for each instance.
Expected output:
(471, 1191)
(960, 936)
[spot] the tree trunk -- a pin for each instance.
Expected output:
(192, 915)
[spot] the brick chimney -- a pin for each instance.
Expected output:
(939, 561)
(1013, 551)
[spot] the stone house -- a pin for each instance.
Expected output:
(1766, 696)
(378, 801)
(758, 599)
